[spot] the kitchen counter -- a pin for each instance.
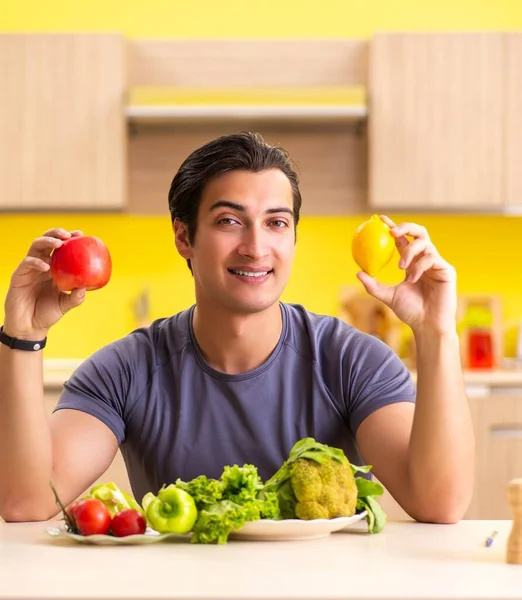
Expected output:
(56, 371)
(495, 378)
(407, 560)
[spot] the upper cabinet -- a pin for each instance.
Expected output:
(62, 124)
(513, 116)
(437, 121)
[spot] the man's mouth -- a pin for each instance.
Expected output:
(247, 273)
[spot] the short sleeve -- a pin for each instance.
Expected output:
(99, 387)
(377, 377)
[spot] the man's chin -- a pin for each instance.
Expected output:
(252, 306)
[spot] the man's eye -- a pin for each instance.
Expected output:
(279, 224)
(226, 221)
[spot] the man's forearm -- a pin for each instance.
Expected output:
(25, 439)
(442, 446)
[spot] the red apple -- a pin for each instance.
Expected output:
(81, 262)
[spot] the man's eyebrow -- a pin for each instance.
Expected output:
(283, 209)
(227, 204)
(242, 208)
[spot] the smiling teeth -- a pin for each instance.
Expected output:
(249, 274)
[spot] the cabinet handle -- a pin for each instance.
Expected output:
(507, 431)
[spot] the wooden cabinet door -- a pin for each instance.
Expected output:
(513, 123)
(436, 121)
(498, 429)
(62, 124)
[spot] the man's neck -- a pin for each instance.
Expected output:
(235, 344)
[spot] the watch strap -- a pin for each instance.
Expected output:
(16, 344)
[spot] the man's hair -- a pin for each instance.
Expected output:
(242, 151)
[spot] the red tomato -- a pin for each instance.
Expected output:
(128, 522)
(81, 262)
(92, 517)
(72, 507)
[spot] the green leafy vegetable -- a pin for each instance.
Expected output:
(225, 505)
(205, 491)
(215, 523)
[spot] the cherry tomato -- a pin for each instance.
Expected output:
(128, 522)
(72, 507)
(92, 517)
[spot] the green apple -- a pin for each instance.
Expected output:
(172, 511)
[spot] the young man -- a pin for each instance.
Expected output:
(240, 376)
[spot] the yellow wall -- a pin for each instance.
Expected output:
(483, 249)
(241, 18)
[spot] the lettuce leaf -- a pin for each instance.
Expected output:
(205, 491)
(215, 523)
(241, 484)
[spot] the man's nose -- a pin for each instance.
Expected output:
(254, 243)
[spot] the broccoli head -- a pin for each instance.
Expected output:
(316, 482)
(323, 491)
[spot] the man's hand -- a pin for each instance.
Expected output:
(33, 303)
(427, 298)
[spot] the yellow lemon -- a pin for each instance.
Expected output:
(373, 245)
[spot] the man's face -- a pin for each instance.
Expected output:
(245, 242)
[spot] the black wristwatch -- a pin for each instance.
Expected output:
(16, 344)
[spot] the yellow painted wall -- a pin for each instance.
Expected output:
(485, 250)
(240, 18)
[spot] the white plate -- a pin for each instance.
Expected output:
(294, 529)
(263, 530)
(149, 537)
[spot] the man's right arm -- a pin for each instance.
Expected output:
(73, 448)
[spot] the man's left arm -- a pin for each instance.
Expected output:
(424, 453)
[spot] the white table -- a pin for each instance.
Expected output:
(406, 560)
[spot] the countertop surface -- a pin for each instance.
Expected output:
(406, 560)
(56, 371)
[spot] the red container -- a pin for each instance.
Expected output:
(480, 349)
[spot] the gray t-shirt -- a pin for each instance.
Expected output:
(175, 416)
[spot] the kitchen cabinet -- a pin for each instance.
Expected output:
(436, 124)
(498, 429)
(513, 123)
(62, 124)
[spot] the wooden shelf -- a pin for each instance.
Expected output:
(160, 113)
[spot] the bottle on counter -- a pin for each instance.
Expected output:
(478, 322)
(480, 348)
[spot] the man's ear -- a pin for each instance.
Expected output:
(182, 239)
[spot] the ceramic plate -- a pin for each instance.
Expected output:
(294, 529)
(267, 530)
(149, 537)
